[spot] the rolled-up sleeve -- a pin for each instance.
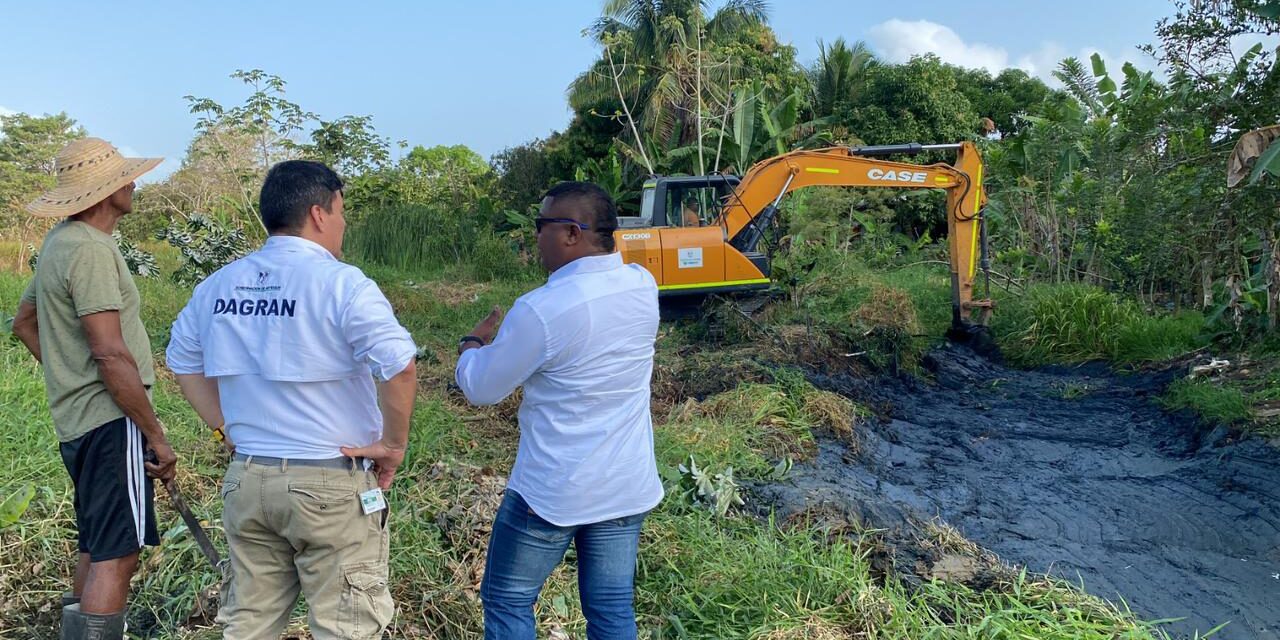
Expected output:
(489, 374)
(375, 336)
(185, 353)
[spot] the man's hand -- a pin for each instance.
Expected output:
(385, 460)
(160, 461)
(488, 328)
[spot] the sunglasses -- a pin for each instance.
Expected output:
(539, 223)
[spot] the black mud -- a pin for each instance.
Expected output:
(1072, 472)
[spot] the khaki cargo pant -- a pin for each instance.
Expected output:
(294, 529)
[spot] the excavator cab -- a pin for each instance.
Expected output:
(686, 201)
(680, 236)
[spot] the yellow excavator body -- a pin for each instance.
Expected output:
(702, 234)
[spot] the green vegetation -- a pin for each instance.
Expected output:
(1222, 404)
(1077, 323)
(431, 237)
(1246, 395)
(701, 576)
(1107, 210)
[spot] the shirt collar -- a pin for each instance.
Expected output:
(588, 264)
(92, 229)
(296, 244)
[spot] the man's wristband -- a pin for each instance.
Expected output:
(466, 339)
(219, 434)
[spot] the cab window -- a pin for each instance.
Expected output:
(692, 206)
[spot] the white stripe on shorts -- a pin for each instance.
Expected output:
(136, 476)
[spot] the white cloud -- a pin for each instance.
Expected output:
(6, 111)
(899, 40)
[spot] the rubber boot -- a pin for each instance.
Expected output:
(77, 625)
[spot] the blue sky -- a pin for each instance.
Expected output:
(488, 74)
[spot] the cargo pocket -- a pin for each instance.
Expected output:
(231, 480)
(228, 492)
(366, 608)
(226, 603)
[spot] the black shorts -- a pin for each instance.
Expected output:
(115, 513)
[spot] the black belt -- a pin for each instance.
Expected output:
(324, 463)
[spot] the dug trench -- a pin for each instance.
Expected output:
(1075, 473)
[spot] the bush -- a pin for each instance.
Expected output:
(206, 244)
(1078, 323)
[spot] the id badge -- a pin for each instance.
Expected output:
(372, 501)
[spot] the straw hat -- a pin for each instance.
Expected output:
(89, 170)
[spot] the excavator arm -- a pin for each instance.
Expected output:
(753, 205)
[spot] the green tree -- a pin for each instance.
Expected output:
(28, 145)
(919, 101)
(242, 142)
(32, 142)
(1004, 98)
(759, 127)
(839, 76)
(660, 60)
(453, 175)
(524, 174)
(235, 146)
(350, 145)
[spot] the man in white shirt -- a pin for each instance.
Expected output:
(280, 350)
(582, 348)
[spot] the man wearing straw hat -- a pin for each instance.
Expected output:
(79, 318)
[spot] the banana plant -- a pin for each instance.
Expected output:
(758, 128)
(1268, 163)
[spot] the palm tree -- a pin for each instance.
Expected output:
(839, 75)
(654, 56)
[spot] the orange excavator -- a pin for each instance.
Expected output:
(702, 234)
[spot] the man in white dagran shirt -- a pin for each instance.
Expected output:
(582, 347)
(280, 350)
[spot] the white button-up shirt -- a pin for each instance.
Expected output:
(293, 337)
(582, 345)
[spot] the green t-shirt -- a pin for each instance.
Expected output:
(81, 272)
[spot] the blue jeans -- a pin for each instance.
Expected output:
(523, 551)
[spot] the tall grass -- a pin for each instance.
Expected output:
(1078, 323)
(422, 237)
(1214, 402)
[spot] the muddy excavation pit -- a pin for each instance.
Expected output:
(1071, 472)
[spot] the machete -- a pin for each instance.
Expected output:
(193, 523)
